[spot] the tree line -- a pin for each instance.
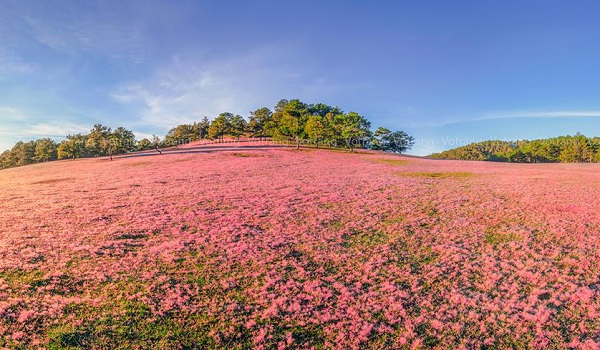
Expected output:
(291, 121)
(297, 122)
(564, 149)
(100, 141)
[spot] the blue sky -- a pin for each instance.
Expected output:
(447, 72)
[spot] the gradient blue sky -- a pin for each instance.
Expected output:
(447, 72)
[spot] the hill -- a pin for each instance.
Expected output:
(239, 247)
(565, 149)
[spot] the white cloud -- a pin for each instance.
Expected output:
(562, 114)
(186, 91)
(21, 125)
(55, 129)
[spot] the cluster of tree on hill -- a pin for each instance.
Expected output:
(564, 149)
(101, 141)
(290, 121)
(298, 122)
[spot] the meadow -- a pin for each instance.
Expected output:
(282, 248)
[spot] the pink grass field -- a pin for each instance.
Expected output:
(278, 248)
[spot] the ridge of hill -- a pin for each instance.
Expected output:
(562, 149)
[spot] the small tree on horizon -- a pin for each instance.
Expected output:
(96, 140)
(391, 141)
(221, 126)
(156, 143)
(45, 150)
(238, 126)
(259, 122)
(72, 147)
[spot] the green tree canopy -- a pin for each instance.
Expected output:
(74, 146)
(237, 126)
(391, 141)
(45, 150)
(259, 123)
(96, 140)
(353, 128)
(220, 126)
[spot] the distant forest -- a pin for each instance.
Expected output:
(291, 121)
(563, 149)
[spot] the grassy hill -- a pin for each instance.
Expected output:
(565, 149)
(239, 247)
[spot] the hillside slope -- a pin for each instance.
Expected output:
(563, 149)
(277, 247)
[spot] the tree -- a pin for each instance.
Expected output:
(73, 147)
(396, 142)
(123, 139)
(96, 140)
(322, 110)
(144, 144)
(45, 150)
(156, 143)
(181, 134)
(320, 125)
(353, 127)
(23, 153)
(110, 145)
(259, 122)
(316, 128)
(221, 126)
(238, 126)
(6, 160)
(291, 117)
(202, 128)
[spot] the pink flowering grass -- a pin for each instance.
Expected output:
(276, 248)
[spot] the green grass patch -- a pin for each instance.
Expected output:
(364, 239)
(413, 254)
(436, 175)
(19, 277)
(493, 237)
(246, 155)
(135, 326)
(136, 164)
(131, 236)
(389, 161)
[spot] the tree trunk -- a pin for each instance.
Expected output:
(297, 143)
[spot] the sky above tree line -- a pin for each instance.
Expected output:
(446, 72)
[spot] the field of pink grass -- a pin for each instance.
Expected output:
(278, 248)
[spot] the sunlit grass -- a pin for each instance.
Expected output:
(436, 175)
(390, 161)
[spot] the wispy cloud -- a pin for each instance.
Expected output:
(12, 65)
(12, 114)
(90, 32)
(559, 114)
(21, 125)
(185, 91)
(541, 114)
(55, 129)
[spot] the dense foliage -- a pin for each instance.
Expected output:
(291, 121)
(564, 149)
